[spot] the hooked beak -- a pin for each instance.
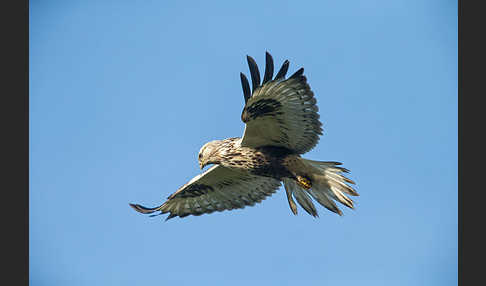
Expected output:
(201, 165)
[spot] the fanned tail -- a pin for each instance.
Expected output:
(327, 184)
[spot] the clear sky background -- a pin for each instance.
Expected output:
(124, 93)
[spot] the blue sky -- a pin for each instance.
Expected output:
(123, 95)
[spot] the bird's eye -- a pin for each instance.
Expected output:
(200, 156)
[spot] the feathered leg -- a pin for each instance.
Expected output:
(324, 182)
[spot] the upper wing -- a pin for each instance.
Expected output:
(281, 112)
(217, 189)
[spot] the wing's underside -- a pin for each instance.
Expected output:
(217, 189)
(280, 112)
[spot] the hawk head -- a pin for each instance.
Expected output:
(208, 153)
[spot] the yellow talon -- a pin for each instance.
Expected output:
(304, 182)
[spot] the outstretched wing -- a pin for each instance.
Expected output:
(280, 112)
(217, 189)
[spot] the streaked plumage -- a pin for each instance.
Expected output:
(282, 123)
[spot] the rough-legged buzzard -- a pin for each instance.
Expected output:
(282, 123)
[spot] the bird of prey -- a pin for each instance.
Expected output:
(282, 123)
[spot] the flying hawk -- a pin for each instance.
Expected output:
(282, 123)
